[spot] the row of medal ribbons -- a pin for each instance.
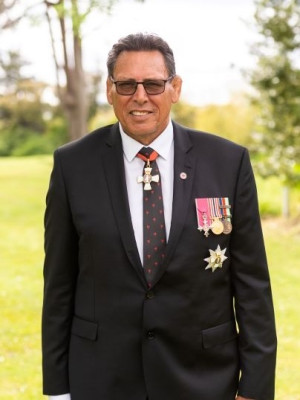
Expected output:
(213, 214)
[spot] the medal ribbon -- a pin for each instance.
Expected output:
(153, 156)
(228, 214)
(214, 208)
(212, 213)
(225, 208)
(217, 209)
(202, 208)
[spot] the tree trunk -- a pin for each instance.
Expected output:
(285, 201)
(74, 100)
(74, 103)
(73, 97)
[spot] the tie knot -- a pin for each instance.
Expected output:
(147, 154)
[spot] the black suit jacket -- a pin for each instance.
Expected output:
(105, 335)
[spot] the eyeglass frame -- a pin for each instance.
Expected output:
(142, 83)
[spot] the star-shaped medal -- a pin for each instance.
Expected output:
(216, 258)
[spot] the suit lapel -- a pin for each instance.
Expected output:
(184, 167)
(115, 175)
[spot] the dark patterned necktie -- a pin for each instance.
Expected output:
(154, 221)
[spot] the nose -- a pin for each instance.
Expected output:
(140, 94)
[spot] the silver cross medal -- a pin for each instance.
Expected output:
(205, 226)
(147, 178)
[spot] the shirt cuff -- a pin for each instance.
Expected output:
(66, 396)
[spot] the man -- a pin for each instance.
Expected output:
(156, 282)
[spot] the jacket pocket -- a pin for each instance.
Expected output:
(85, 329)
(219, 334)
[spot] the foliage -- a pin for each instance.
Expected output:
(23, 107)
(75, 88)
(277, 81)
(104, 116)
(28, 124)
(270, 198)
(23, 188)
(185, 114)
(234, 121)
(24, 142)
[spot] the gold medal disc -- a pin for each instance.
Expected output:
(217, 227)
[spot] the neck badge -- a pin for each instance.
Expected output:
(147, 178)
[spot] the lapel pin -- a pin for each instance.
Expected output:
(183, 175)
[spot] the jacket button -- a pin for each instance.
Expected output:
(150, 335)
(149, 294)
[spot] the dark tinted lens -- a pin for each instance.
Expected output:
(126, 87)
(154, 87)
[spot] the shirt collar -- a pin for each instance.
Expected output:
(162, 144)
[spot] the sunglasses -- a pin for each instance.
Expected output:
(151, 86)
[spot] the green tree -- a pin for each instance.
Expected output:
(21, 105)
(277, 83)
(28, 123)
(69, 16)
(66, 19)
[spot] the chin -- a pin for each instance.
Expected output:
(141, 133)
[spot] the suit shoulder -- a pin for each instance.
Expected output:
(211, 147)
(211, 140)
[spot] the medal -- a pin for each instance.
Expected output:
(147, 178)
(216, 258)
(225, 209)
(216, 226)
(202, 216)
(213, 213)
(227, 226)
(205, 226)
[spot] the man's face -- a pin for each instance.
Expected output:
(143, 116)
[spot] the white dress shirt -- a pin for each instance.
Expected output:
(164, 146)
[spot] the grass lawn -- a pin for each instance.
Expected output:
(23, 185)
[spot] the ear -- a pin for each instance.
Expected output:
(109, 88)
(176, 84)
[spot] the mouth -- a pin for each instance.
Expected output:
(137, 113)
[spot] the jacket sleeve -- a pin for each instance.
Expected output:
(252, 291)
(60, 273)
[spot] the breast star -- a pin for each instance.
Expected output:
(216, 258)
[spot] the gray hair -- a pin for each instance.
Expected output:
(141, 42)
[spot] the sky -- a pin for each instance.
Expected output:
(210, 39)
